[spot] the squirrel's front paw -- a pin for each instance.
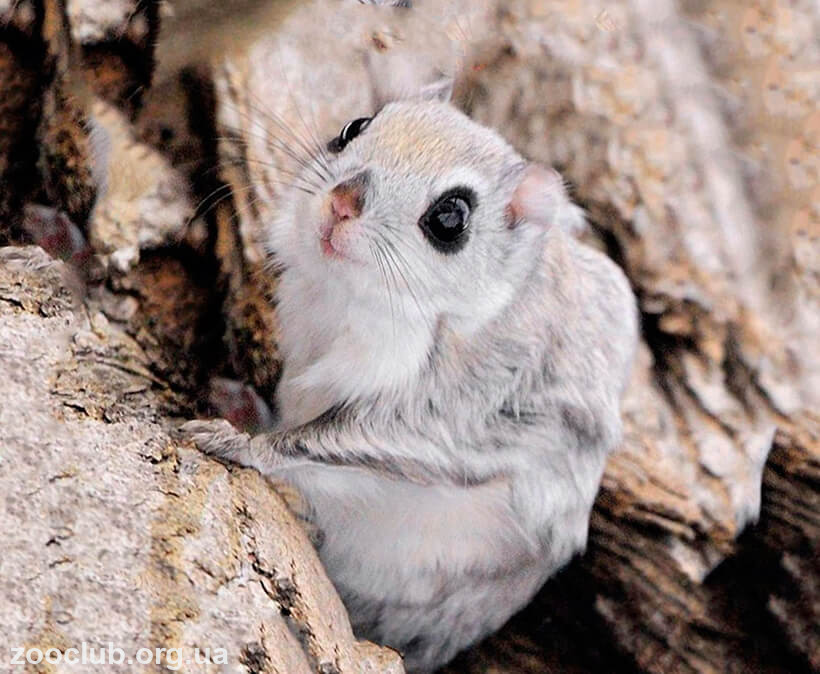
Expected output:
(218, 438)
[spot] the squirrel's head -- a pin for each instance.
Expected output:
(424, 210)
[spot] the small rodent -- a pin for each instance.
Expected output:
(453, 365)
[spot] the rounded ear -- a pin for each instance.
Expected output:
(540, 198)
(438, 90)
(394, 79)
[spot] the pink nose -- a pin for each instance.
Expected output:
(347, 198)
(344, 205)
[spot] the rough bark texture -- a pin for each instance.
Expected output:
(687, 131)
(118, 533)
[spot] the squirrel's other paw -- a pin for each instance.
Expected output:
(219, 439)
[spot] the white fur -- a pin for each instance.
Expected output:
(475, 405)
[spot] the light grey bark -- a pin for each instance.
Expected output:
(114, 532)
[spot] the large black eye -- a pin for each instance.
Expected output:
(445, 222)
(349, 132)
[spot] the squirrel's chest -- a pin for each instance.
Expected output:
(337, 348)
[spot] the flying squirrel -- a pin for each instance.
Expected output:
(454, 360)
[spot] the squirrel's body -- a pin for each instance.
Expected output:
(453, 366)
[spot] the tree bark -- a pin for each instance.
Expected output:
(116, 532)
(684, 130)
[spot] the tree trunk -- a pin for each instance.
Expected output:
(686, 133)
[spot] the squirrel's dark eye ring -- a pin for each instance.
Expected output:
(349, 132)
(444, 223)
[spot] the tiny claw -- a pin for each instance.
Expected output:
(218, 438)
